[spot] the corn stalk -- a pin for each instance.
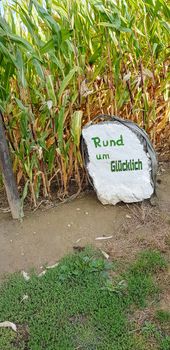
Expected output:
(64, 62)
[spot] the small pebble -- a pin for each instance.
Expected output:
(78, 209)
(128, 216)
(69, 225)
(86, 212)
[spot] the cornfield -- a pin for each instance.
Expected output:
(62, 63)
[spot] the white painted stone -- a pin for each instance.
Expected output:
(115, 186)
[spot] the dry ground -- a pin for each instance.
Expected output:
(48, 234)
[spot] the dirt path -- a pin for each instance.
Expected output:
(45, 236)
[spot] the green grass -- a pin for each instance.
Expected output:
(163, 316)
(77, 305)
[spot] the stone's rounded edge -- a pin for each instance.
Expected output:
(114, 202)
(85, 155)
(142, 135)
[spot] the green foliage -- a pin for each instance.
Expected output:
(165, 343)
(163, 316)
(76, 127)
(73, 306)
(151, 331)
(92, 56)
(149, 261)
(140, 286)
(140, 282)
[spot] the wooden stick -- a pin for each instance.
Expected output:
(8, 176)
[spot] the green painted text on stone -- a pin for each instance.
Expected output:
(107, 143)
(127, 165)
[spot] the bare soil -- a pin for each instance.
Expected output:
(48, 234)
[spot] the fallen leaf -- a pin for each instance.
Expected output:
(102, 238)
(52, 266)
(127, 76)
(105, 254)
(8, 324)
(78, 240)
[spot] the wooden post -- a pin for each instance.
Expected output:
(8, 176)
